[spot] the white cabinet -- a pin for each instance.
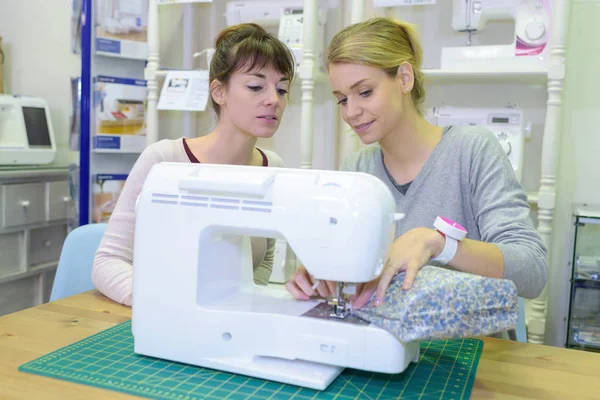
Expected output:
(35, 207)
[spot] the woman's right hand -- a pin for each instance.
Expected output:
(301, 285)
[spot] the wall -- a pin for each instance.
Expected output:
(39, 62)
(578, 174)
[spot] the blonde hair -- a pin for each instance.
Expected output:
(382, 43)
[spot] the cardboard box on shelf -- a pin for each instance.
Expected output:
(122, 28)
(106, 192)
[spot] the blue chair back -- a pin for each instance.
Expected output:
(74, 272)
(521, 326)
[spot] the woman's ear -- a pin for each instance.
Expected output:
(406, 77)
(218, 92)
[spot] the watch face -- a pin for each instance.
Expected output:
(452, 223)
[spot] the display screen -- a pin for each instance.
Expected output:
(500, 120)
(36, 125)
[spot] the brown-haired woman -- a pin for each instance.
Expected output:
(250, 75)
(457, 173)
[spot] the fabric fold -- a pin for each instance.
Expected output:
(445, 304)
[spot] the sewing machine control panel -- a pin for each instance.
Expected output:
(291, 26)
(532, 22)
(504, 128)
(506, 124)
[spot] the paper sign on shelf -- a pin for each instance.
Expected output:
(396, 3)
(184, 91)
(160, 2)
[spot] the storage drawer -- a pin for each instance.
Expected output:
(11, 249)
(23, 203)
(58, 201)
(18, 295)
(45, 244)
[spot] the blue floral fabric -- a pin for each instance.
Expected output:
(445, 304)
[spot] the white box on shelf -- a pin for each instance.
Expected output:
(119, 114)
(122, 28)
(106, 191)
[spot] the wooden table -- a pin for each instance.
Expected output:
(507, 370)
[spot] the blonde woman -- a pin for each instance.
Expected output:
(457, 177)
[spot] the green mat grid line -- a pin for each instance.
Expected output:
(446, 370)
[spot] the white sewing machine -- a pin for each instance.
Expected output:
(194, 299)
(529, 49)
(506, 123)
(284, 18)
(26, 134)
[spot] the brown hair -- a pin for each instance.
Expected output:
(382, 43)
(245, 47)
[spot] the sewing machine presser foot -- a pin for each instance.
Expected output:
(341, 302)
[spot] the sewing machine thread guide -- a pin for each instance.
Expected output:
(446, 370)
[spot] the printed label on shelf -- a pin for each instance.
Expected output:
(119, 80)
(119, 143)
(108, 46)
(110, 177)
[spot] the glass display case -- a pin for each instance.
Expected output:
(584, 310)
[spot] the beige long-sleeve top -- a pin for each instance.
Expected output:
(112, 271)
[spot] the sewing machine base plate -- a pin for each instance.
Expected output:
(323, 310)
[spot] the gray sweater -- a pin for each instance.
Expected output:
(469, 179)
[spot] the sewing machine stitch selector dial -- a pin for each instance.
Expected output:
(535, 30)
(504, 142)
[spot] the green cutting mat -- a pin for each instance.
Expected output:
(446, 370)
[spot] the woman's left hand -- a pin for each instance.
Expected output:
(410, 252)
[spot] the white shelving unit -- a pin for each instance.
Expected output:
(439, 76)
(551, 78)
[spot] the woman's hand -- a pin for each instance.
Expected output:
(410, 252)
(301, 285)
